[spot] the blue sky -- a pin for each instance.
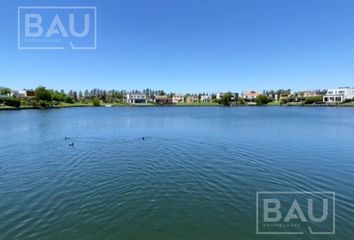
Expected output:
(192, 46)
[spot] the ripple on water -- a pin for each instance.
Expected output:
(190, 178)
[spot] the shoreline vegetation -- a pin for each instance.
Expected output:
(79, 105)
(42, 98)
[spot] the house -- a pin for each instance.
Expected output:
(284, 96)
(192, 98)
(177, 98)
(313, 93)
(205, 98)
(235, 96)
(163, 99)
(135, 98)
(220, 95)
(338, 95)
(273, 96)
(30, 93)
(301, 96)
(23, 93)
(250, 96)
(15, 93)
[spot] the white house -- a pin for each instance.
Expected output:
(205, 98)
(15, 93)
(136, 98)
(338, 95)
(23, 93)
(177, 98)
(192, 98)
(250, 96)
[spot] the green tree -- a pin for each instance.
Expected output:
(68, 99)
(43, 94)
(96, 102)
(262, 100)
(4, 91)
(226, 99)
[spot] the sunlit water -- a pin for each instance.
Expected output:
(167, 172)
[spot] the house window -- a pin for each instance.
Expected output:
(338, 99)
(326, 99)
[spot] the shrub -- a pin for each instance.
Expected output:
(4, 91)
(347, 100)
(43, 104)
(69, 99)
(311, 100)
(284, 101)
(12, 102)
(262, 100)
(96, 102)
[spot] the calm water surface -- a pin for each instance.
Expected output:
(194, 176)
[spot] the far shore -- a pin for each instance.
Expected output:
(79, 105)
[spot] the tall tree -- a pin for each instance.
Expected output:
(43, 94)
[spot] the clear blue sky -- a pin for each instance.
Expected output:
(192, 46)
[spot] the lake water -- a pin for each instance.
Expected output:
(194, 175)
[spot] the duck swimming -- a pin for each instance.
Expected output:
(71, 144)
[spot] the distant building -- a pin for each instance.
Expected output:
(177, 98)
(15, 93)
(163, 99)
(235, 96)
(135, 98)
(313, 93)
(302, 95)
(273, 96)
(220, 95)
(338, 95)
(205, 98)
(22, 93)
(192, 98)
(30, 93)
(250, 96)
